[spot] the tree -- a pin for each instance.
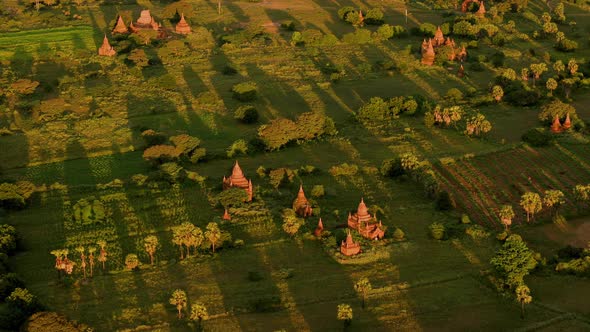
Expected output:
(194, 240)
(523, 296)
(506, 214)
(556, 108)
(513, 261)
(131, 261)
(553, 199)
(582, 193)
(531, 203)
(477, 125)
(24, 300)
(524, 74)
(558, 66)
(159, 154)
(145, 36)
(363, 286)
(437, 230)
(178, 299)
(551, 85)
(345, 314)
(91, 251)
(81, 250)
(198, 313)
(138, 57)
(497, 93)
(150, 243)
(213, 234)
(291, 223)
(559, 13)
(182, 237)
(102, 256)
(538, 69)
(572, 66)
(7, 239)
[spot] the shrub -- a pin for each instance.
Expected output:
(8, 282)
(10, 198)
(437, 231)
(537, 137)
(566, 45)
(476, 232)
(246, 114)
(131, 261)
(238, 147)
(159, 154)
(427, 29)
(374, 16)
(360, 36)
(454, 95)
(465, 219)
(384, 32)
(342, 12)
(398, 234)
(317, 191)
(152, 137)
(245, 91)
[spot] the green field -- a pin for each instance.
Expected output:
(80, 130)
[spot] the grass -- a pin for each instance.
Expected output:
(419, 284)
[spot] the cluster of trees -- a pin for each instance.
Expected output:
(419, 171)
(188, 236)
(475, 124)
(198, 310)
(378, 110)
(184, 147)
(16, 195)
(350, 15)
(308, 126)
(314, 37)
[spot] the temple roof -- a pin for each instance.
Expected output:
(438, 35)
(481, 10)
(362, 209)
(120, 27)
(145, 17)
(320, 224)
(430, 48)
(567, 123)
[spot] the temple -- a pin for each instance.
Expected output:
(145, 22)
(567, 124)
(461, 72)
(349, 247)
(106, 49)
(481, 12)
(557, 127)
(301, 205)
(182, 27)
(318, 230)
(237, 179)
(120, 27)
(365, 224)
(428, 53)
(439, 38)
(226, 215)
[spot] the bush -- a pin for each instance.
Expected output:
(8, 283)
(10, 198)
(437, 231)
(398, 234)
(427, 29)
(465, 219)
(374, 16)
(476, 232)
(566, 45)
(360, 36)
(245, 91)
(342, 12)
(159, 154)
(238, 147)
(537, 137)
(318, 191)
(7, 239)
(246, 114)
(454, 95)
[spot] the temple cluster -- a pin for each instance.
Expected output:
(557, 127)
(144, 22)
(430, 48)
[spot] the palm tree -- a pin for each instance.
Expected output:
(178, 299)
(195, 238)
(553, 199)
(506, 214)
(199, 313)
(150, 244)
(81, 249)
(531, 203)
(102, 256)
(91, 251)
(523, 296)
(178, 239)
(213, 234)
(345, 314)
(363, 286)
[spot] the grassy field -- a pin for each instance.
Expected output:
(82, 128)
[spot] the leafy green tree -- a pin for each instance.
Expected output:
(24, 300)
(238, 147)
(556, 108)
(582, 193)
(572, 66)
(437, 230)
(151, 243)
(553, 199)
(374, 16)
(81, 250)
(531, 203)
(523, 296)
(477, 125)
(178, 300)
(551, 85)
(291, 223)
(363, 287)
(131, 261)
(538, 69)
(506, 214)
(198, 313)
(194, 240)
(213, 234)
(558, 66)
(7, 239)
(513, 261)
(559, 13)
(345, 314)
(497, 93)
(384, 32)
(8, 283)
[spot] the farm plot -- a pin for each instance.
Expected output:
(480, 185)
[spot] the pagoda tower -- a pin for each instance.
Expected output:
(556, 126)
(349, 247)
(567, 124)
(182, 27)
(301, 205)
(461, 71)
(439, 38)
(481, 12)
(428, 55)
(364, 223)
(237, 179)
(120, 27)
(318, 230)
(226, 215)
(106, 49)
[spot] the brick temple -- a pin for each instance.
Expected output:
(368, 226)
(301, 205)
(237, 179)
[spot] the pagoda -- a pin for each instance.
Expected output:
(106, 49)
(182, 27)
(439, 38)
(461, 71)
(361, 18)
(349, 247)
(237, 179)
(481, 12)
(120, 27)
(301, 205)
(428, 54)
(226, 215)
(145, 22)
(462, 56)
(318, 230)
(567, 124)
(556, 126)
(365, 224)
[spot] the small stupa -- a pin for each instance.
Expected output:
(567, 124)
(461, 71)
(349, 247)
(301, 204)
(428, 55)
(318, 230)
(106, 49)
(226, 215)
(182, 27)
(556, 126)
(120, 27)
(439, 38)
(481, 12)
